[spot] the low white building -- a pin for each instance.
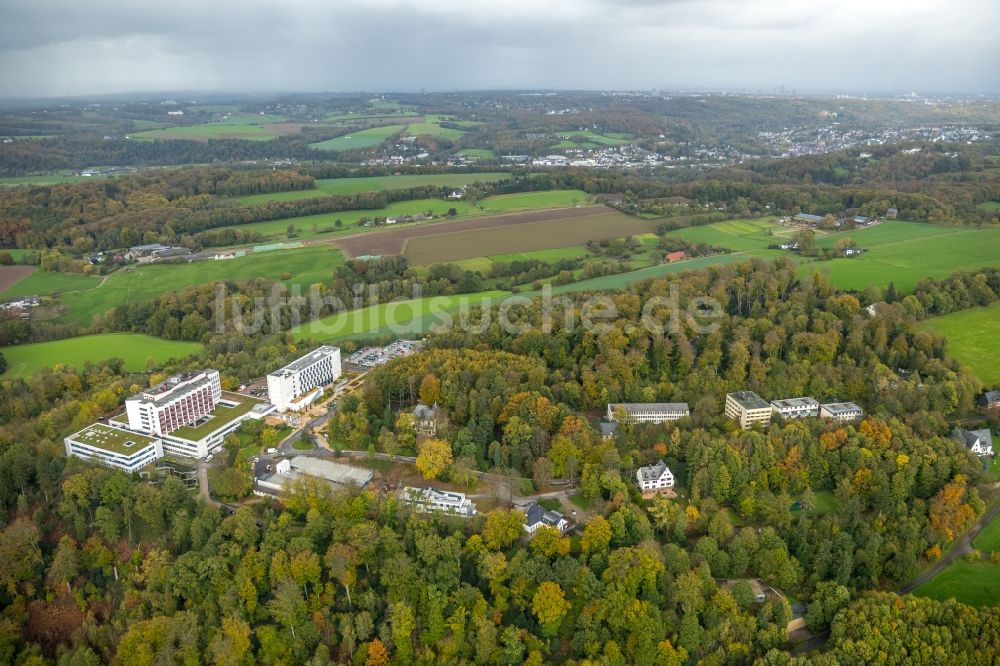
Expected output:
(297, 385)
(441, 501)
(841, 411)
(648, 412)
(795, 408)
(653, 478)
(114, 447)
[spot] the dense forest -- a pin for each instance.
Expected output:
(98, 567)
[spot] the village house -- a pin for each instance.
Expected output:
(536, 516)
(425, 419)
(675, 256)
(979, 442)
(654, 478)
(990, 401)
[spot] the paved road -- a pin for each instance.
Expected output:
(964, 546)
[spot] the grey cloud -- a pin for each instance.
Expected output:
(50, 47)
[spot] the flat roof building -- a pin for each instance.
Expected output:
(442, 501)
(174, 403)
(747, 408)
(112, 447)
(296, 385)
(795, 408)
(648, 412)
(841, 411)
(287, 471)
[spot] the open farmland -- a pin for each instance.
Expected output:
(535, 231)
(360, 139)
(238, 126)
(304, 267)
(735, 235)
(133, 348)
(974, 339)
(324, 224)
(335, 186)
(907, 252)
(49, 282)
(11, 275)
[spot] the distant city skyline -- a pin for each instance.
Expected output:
(55, 49)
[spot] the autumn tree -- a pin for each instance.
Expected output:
(434, 458)
(550, 606)
(502, 528)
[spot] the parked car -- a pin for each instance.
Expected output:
(272, 451)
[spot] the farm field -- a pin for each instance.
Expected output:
(482, 153)
(334, 186)
(974, 583)
(11, 275)
(360, 139)
(435, 130)
(133, 348)
(622, 280)
(973, 338)
(590, 139)
(313, 226)
(241, 126)
(395, 316)
(571, 227)
(988, 540)
(990, 206)
(305, 266)
(907, 252)
(48, 282)
(735, 235)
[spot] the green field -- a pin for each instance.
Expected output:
(49, 282)
(553, 255)
(46, 179)
(133, 348)
(435, 130)
(482, 153)
(306, 266)
(973, 338)
(312, 226)
(907, 252)
(399, 317)
(239, 126)
(334, 186)
(735, 235)
(974, 583)
(590, 139)
(990, 206)
(988, 540)
(360, 139)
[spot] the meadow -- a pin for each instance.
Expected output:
(238, 126)
(973, 338)
(49, 282)
(46, 179)
(906, 252)
(304, 267)
(360, 139)
(335, 186)
(399, 317)
(990, 206)
(133, 348)
(988, 540)
(312, 226)
(974, 583)
(590, 139)
(482, 153)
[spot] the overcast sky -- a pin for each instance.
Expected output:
(64, 47)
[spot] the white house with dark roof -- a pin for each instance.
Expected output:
(656, 477)
(979, 442)
(648, 412)
(535, 516)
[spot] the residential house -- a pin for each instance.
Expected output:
(675, 256)
(653, 478)
(536, 516)
(425, 419)
(608, 429)
(748, 408)
(980, 442)
(990, 401)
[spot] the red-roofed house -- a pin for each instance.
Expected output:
(675, 256)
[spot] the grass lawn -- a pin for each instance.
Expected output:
(334, 186)
(735, 235)
(582, 502)
(974, 583)
(221, 416)
(973, 338)
(435, 130)
(238, 126)
(306, 266)
(482, 153)
(552, 255)
(133, 348)
(303, 445)
(825, 503)
(591, 138)
(993, 473)
(990, 206)
(988, 540)
(360, 139)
